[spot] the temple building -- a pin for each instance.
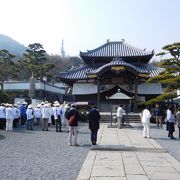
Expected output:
(112, 66)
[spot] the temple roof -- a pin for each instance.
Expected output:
(117, 49)
(81, 73)
(120, 62)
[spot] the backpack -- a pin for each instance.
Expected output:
(66, 113)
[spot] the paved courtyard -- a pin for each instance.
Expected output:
(39, 155)
(123, 154)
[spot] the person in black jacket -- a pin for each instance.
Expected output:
(94, 117)
(73, 128)
(158, 116)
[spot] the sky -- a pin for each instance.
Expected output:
(87, 24)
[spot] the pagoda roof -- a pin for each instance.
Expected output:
(81, 73)
(117, 49)
(120, 62)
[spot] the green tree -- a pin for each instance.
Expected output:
(7, 66)
(170, 77)
(35, 61)
(4, 97)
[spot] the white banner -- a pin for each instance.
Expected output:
(89, 88)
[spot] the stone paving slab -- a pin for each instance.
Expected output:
(125, 154)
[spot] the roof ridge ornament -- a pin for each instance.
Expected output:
(118, 59)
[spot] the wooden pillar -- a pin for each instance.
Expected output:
(136, 94)
(98, 93)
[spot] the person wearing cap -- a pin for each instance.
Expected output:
(63, 118)
(94, 118)
(145, 119)
(16, 113)
(45, 116)
(2, 116)
(9, 117)
(50, 116)
(73, 128)
(30, 117)
(23, 113)
(57, 116)
(38, 114)
(67, 108)
(119, 114)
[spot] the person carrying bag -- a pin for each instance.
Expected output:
(73, 118)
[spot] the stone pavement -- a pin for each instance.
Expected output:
(125, 154)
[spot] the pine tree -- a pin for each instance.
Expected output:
(170, 77)
(7, 66)
(35, 61)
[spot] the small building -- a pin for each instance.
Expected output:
(112, 66)
(42, 90)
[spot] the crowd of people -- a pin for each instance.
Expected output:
(29, 116)
(171, 118)
(43, 114)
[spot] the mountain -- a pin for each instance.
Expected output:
(11, 45)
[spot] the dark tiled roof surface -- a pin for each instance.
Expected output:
(116, 49)
(81, 72)
(121, 62)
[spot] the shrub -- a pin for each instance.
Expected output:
(4, 97)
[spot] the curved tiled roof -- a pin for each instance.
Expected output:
(153, 70)
(116, 49)
(120, 62)
(80, 73)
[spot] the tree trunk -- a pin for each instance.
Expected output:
(2, 85)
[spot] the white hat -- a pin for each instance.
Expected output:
(24, 102)
(47, 105)
(56, 102)
(38, 105)
(42, 103)
(30, 106)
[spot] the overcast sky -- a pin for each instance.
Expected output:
(87, 24)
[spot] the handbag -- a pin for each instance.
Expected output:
(71, 120)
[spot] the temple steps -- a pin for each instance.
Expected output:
(132, 117)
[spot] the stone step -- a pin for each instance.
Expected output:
(132, 117)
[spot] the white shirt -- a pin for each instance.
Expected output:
(9, 113)
(120, 112)
(146, 115)
(37, 113)
(46, 112)
(30, 113)
(2, 112)
(16, 112)
(170, 116)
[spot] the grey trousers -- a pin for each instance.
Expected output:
(119, 120)
(72, 139)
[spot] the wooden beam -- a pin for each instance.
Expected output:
(117, 68)
(92, 75)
